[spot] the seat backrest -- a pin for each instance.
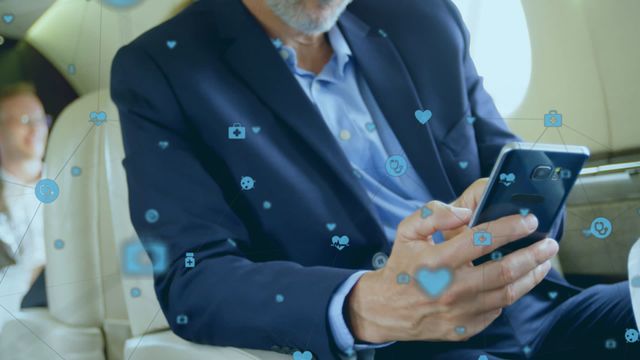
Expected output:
(89, 221)
(634, 279)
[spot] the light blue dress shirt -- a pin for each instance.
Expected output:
(350, 111)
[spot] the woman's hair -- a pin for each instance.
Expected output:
(6, 92)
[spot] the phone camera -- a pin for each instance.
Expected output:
(541, 172)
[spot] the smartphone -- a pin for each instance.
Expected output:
(529, 178)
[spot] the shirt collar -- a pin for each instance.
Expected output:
(341, 51)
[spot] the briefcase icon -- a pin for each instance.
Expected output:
(237, 132)
(552, 119)
(482, 238)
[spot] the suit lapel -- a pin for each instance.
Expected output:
(253, 57)
(394, 91)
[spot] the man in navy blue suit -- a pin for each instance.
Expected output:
(311, 170)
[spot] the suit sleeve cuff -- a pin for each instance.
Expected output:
(342, 336)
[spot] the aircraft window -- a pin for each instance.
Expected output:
(503, 58)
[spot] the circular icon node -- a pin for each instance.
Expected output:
(496, 255)
(58, 244)
(379, 260)
(601, 227)
(151, 216)
(47, 191)
(396, 165)
(279, 298)
(76, 171)
(631, 335)
(403, 278)
(135, 292)
(122, 4)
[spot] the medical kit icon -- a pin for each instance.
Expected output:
(482, 238)
(182, 319)
(553, 119)
(403, 278)
(137, 261)
(237, 132)
(189, 260)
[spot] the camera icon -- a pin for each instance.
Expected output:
(482, 238)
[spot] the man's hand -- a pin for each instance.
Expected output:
(380, 309)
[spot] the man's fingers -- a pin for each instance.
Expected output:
(474, 325)
(439, 216)
(472, 195)
(474, 243)
(507, 295)
(496, 274)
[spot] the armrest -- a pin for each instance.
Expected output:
(35, 334)
(167, 345)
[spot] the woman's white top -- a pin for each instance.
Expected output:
(22, 231)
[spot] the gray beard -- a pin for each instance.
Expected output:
(293, 13)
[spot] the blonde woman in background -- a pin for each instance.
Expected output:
(23, 137)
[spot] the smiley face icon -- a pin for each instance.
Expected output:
(247, 183)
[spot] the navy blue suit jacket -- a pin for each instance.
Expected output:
(223, 70)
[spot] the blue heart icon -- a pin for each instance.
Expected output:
(98, 118)
(463, 164)
(370, 126)
(163, 144)
(552, 294)
(433, 282)
(256, 129)
(483, 357)
(302, 355)
(339, 242)
(524, 212)
(423, 116)
(471, 120)
(8, 18)
(586, 232)
(635, 281)
(331, 226)
(266, 205)
(526, 349)
(460, 330)
(425, 212)
(171, 44)
(507, 179)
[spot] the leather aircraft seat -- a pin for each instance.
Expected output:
(634, 279)
(95, 311)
